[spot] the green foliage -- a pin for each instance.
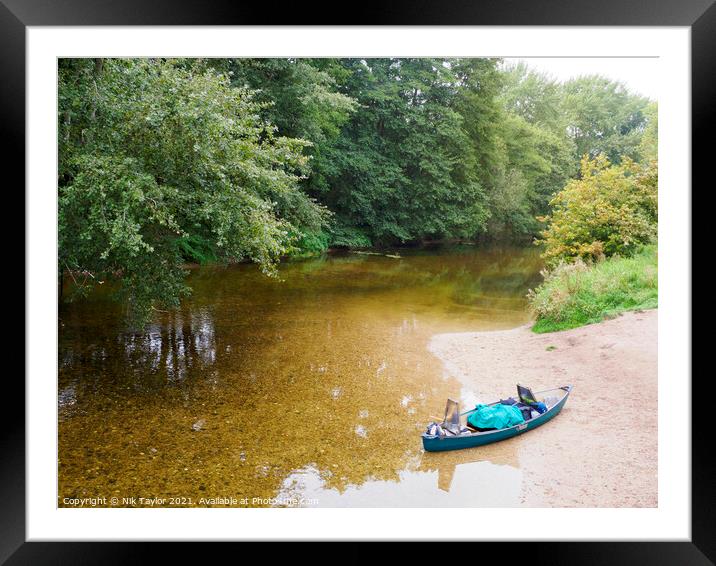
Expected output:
(547, 127)
(477, 88)
(604, 118)
(301, 99)
(348, 237)
(194, 248)
(575, 294)
(533, 96)
(163, 162)
(535, 163)
(611, 209)
(535, 156)
(311, 243)
(511, 213)
(649, 145)
(157, 156)
(406, 165)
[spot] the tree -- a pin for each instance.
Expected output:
(160, 159)
(604, 117)
(406, 166)
(649, 145)
(299, 98)
(535, 157)
(611, 209)
(302, 98)
(533, 96)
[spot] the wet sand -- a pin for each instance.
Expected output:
(601, 451)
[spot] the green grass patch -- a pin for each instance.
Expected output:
(576, 294)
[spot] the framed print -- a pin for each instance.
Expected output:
(396, 279)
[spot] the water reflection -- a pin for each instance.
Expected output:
(100, 358)
(326, 369)
(473, 484)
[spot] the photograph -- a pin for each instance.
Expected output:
(378, 282)
(288, 281)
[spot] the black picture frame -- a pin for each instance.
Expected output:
(16, 15)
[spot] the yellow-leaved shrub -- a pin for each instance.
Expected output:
(610, 210)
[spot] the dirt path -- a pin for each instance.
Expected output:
(601, 451)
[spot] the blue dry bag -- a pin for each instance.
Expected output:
(495, 416)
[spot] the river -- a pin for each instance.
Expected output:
(311, 389)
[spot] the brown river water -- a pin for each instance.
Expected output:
(308, 390)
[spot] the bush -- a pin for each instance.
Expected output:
(574, 294)
(311, 243)
(611, 209)
(349, 237)
(196, 249)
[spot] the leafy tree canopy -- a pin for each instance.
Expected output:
(533, 96)
(603, 117)
(163, 162)
(155, 155)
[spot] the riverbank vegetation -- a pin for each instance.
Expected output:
(575, 294)
(164, 162)
(608, 210)
(599, 246)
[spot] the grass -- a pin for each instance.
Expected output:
(576, 294)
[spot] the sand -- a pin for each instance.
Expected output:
(601, 451)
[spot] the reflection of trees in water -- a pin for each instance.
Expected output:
(175, 349)
(286, 373)
(99, 356)
(327, 392)
(497, 279)
(458, 272)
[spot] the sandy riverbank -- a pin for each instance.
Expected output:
(601, 451)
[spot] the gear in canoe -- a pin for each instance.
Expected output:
(495, 421)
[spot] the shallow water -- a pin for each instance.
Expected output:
(309, 390)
